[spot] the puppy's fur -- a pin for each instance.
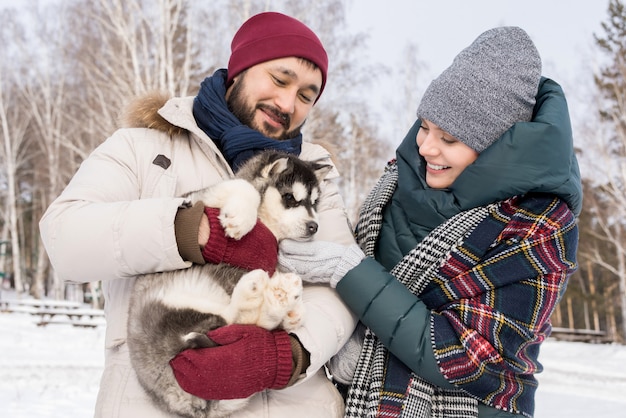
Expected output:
(172, 311)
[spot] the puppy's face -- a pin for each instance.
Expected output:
(289, 210)
(289, 189)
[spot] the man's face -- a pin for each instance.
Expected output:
(275, 97)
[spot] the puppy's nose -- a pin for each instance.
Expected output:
(311, 227)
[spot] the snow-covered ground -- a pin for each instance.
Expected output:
(54, 371)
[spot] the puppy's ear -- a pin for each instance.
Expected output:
(321, 170)
(275, 167)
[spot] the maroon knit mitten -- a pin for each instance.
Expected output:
(249, 359)
(258, 249)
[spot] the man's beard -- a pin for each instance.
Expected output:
(237, 105)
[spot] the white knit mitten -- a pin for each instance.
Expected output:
(343, 364)
(319, 261)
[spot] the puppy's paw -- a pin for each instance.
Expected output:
(292, 286)
(239, 210)
(249, 291)
(294, 318)
(238, 217)
(282, 296)
(197, 340)
(287, 288)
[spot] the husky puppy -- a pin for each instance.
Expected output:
(172, 311)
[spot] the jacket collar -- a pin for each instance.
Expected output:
(178, 112)
(531, 157)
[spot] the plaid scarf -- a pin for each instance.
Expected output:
(458, 270)
(382, 385)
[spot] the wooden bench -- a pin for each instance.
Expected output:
(52, 311)
(81, 317)
(578, 334)
(27, 305)
(49, 303)
(6, 308)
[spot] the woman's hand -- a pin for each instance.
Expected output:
(319, 261)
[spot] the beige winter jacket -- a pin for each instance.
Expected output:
(115, 220)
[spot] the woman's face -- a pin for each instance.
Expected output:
(446, 157)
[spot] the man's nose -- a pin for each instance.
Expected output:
(286, 101)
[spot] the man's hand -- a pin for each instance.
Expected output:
(249, 359)
(204, 231)
(257, 249)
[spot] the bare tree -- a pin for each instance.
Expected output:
(14, 122)
(604, 244)
(47, 100)
(18, 153)
(124, 48)
(406, 100)
(607, 205)
(595, 287)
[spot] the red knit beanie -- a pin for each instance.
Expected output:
(270, 35)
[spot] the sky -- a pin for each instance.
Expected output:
(561, 29)
(54, 372)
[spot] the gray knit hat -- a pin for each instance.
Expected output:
(490, 86)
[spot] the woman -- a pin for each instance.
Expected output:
(466, 244)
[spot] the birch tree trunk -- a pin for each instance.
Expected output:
(13, 129)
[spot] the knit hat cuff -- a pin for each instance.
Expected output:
(278, 46)
(284, 366)
(217, 247)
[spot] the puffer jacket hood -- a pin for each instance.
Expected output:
(531, 157)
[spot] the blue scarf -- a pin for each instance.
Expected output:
(237, 142)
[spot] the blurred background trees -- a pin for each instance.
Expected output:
(597, 293)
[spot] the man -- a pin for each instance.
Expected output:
(122, 216)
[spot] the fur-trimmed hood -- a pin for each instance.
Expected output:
(143, 112)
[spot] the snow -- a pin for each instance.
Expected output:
(582, 380)
(54, 372)
(51, 371)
